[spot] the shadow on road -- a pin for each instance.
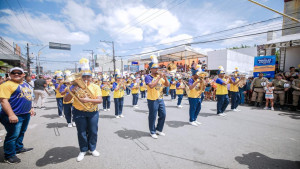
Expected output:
(131, 134)
(141, 111)
(56, 125)
(257, 160)
(292, 115)
(57, 155)
(107, 116)
(171, 107)
(207, 114)
(176, 124)
(50, 116)
(50, 108)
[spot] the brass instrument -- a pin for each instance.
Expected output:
(242, 81)
(172, 67)
(187, 89)
(82, 91)
(202, 85)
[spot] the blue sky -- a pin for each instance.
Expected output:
(130, 24)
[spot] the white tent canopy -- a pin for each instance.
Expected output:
(172, 54)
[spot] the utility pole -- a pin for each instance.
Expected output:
(28, 59)
(113, 52)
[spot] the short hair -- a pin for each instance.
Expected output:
(292, 67)
(41, 76)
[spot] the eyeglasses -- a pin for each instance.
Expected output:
(16, 73)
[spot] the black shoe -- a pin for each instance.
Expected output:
(12, 160)
(24, 150)
(252, 104)
(258, 105)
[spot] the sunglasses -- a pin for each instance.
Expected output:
(16, 73)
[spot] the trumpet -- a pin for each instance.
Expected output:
(187, 89)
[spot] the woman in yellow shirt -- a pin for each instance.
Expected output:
(67, 106)
(86, 120)
(59, 97)
(118, 88)
(106, 88)
(234, 91)
(222, 93)
(179, 91)
(135, 92)
(173, 88)
(143, 87)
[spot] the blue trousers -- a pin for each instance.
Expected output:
(143, 94)
(127, 91)
(87, 129)
(119, 105)
(135, 98)
(167, 90)
(235, 100)
(173, 93)
(180, 96)
(202, 97)
(223, 101)
(242, 96)
(15, 134)
(195, 107)
(68, 112)
(106, 102)
(155, 106)
(60, 105)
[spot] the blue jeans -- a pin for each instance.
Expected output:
(173, 93)
(195, 107)
(68, 112)
(127, 91)
(143, 94)
(60, 105)
(180, 96)
(135, 98)
(15, 134)
(242, 96)
(202, 97)
(106, 102)
(235, 99)
(167, 90)
(154, 107)
(223, 101)
(119, 105)
(87, 129)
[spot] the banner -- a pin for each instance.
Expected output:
(131, 68)
(265, 64)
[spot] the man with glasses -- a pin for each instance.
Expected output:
(16, 100)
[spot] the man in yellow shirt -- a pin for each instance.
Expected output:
(234, 91)
(155, 83)
(143, 87)
(173, 88)
(222, 93)
(135, 92)
(118, 88)
(59, 97)
(106, 88)
(86, 120)
(179, 91)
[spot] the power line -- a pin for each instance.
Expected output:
(201, 42)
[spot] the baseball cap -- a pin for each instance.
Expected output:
(16, 68)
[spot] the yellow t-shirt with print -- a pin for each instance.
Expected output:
(234, 88)
(57, 93)
(135, 91)
(196, 91)
(105, 90)
(180, 91)
(173, 86)
(157, 91)
(119, 93)
(143, 88)
(221, 89)
(95, 90)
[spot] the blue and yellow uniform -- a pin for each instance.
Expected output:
(59, 98)
(135, 93)
(234, 91)
(19, 96)
(155, 104)
(67, 106)
(222, 95)
(106, 88)
(143, 89)
(173, 89)
(179, 92)
(118, 98)
(194, 100)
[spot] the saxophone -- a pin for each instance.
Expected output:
(82, 91)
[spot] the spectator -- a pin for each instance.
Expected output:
(39, 91)
(16, 101)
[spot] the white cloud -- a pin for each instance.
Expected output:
(44, 28)
(172, 40)
(236, 24)
(82, 16)
(60, 55)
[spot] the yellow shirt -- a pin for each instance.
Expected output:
(179, 91)
(156, 92)
(95, 90)
(105, 90)
(118, 93)
(142, 86)
(234, 88)
(221, 89)
(173, 86)
(58, 95)
(196, 91)
(136, 90)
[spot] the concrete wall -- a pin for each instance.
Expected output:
(292, 57)
(216, 58)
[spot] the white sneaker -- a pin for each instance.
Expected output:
(95, 153)
(81, 156)
(272, 108)
(121, 115)
(221, 114)
(105, 109)
(225, 114)
(193, 124)
(61, 116)
(266, 108)
(238, 110)
(69, 124)
(74, 124)
(235, 110)
(117, 117)
(108, 109)
(160, 133)
(197, 122)
(153, 136)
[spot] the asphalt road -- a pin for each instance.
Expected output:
(253, 138)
